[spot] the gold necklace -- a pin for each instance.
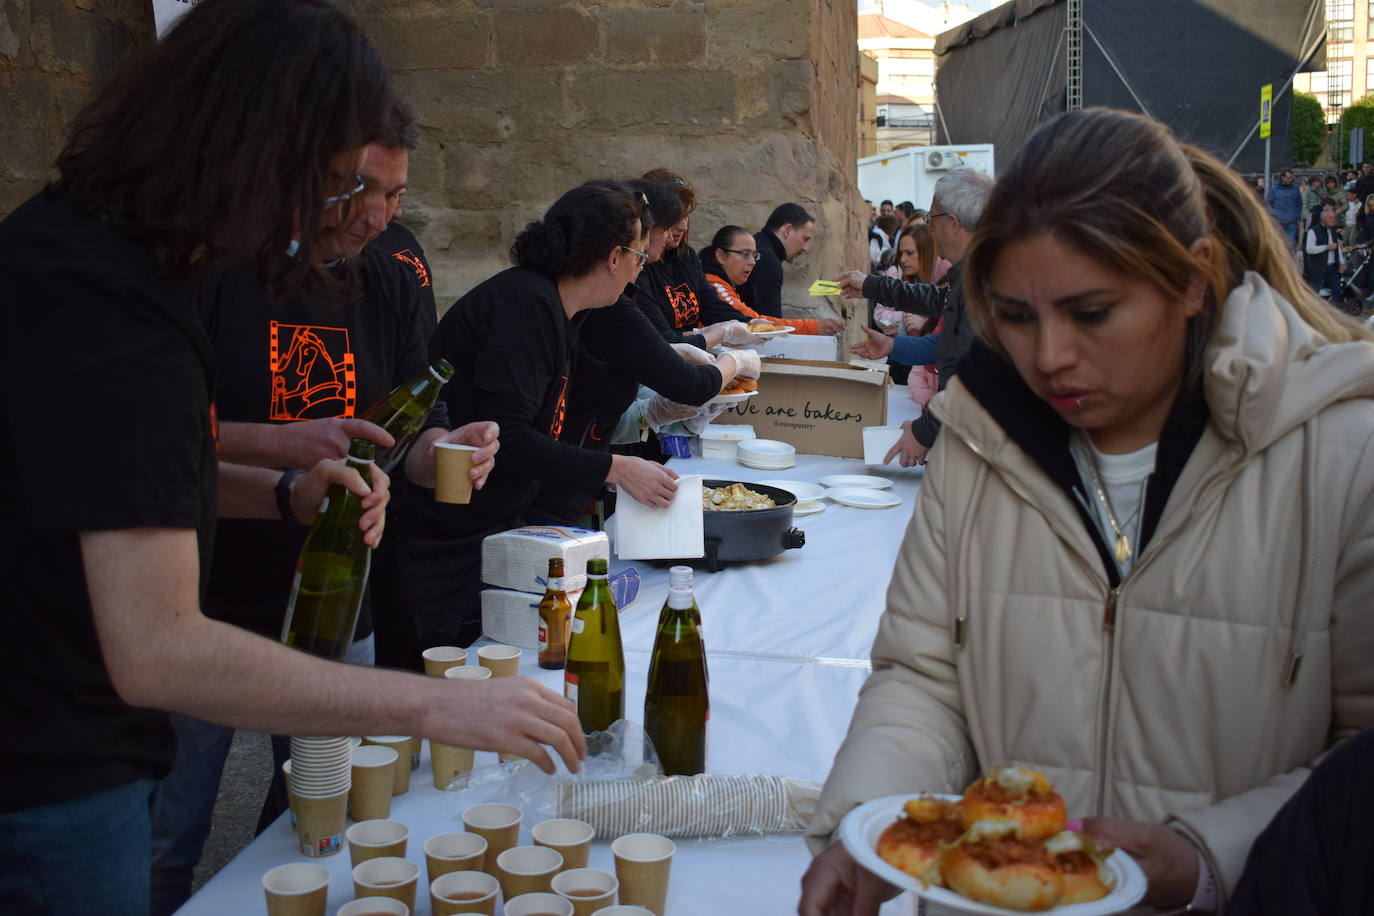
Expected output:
(1123, 544)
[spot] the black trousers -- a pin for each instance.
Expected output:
(1317, 855)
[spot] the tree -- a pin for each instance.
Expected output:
(1308, 123)
(1359, 114)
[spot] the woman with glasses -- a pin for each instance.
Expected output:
(514, 342)
(1143, 556)
(673, 290)
(729, 260)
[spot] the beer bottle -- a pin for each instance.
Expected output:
(331, 573)
(595, 676)
(676, 704)
(554, 611)
(403, 411)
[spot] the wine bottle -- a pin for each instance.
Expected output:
(682, 575)
(331, 573)
(554, 613)
(595, 675)
(676, 702)
(402, 412)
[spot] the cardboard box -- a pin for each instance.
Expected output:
(819, 407)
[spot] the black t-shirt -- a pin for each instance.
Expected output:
(762, 292)
(675, 296)
(88, 325)
(620, 349)
(293, 361)
(512, 347)
(400, 243)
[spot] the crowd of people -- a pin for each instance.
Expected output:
(1329, 222)
(1140, 396)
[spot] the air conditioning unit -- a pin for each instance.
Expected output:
(937, 161)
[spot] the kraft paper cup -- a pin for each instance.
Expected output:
(623, 909)
(446, 853)
(447, 761)
(389, 876)
(298, 889)
(373, 776)
(587, 889)
(320, 823)
(642, 863)
(538, 905)
(452, 466)
(416, 745)
(468, 673)
(527, 869)
(374, 906)
(439, 659)
(375, 839)
(400, 770)
(498, 824)
(463, 892)
(502, 661)
(572, 839)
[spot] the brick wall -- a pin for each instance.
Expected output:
(753, 101)
(51, 53)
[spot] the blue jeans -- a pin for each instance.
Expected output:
(185, 801)
(86, 856)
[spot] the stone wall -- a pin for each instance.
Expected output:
(51, 53)
(753, 101)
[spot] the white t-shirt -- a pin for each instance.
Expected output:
(1124, 478)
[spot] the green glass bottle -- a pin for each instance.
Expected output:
(331, 573)
(595, 675)
(402, 412)
(676, 703)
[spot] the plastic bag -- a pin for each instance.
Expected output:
(619, 791)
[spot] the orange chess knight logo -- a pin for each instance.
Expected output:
(686, 311)
(314, 374)
(421, 272)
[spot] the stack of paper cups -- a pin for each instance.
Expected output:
(321, 775)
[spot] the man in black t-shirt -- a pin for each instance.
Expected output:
(296, 377)
(785, 237)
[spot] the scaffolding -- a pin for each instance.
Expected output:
(1073, 35)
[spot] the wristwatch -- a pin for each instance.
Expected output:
(283, 494)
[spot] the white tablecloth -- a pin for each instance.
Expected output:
(788, 641)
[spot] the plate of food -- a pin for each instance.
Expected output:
(998, 849)
(737, 390)
(769, 329)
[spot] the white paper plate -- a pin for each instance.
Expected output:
(861, 498)
(805, 492)
(775, 465)
(808, 508)
(861, 827)
(856, 480)
(762, 448)
(732, 398)
(770, 334)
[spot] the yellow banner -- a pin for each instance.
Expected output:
(1266, 109)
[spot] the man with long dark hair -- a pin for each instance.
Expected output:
(210, 150)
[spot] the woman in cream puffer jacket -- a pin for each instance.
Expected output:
(1196, 690)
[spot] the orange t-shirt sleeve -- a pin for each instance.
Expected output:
(727, 294)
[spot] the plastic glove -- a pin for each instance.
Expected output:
(693, 355)
(705, 417)
(737, 334)
(659, 411)
(747, 363)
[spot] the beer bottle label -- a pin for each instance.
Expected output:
(543, 638)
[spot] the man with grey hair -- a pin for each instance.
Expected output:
(954, 212)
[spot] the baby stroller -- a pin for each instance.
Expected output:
(1357, 283)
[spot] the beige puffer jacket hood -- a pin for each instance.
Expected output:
(1238, 648)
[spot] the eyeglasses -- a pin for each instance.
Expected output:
(642, 255)
(335, 200)
(751, 255)
(938, 215)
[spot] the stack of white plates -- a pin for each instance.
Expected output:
(719, 440)
(766, 454)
